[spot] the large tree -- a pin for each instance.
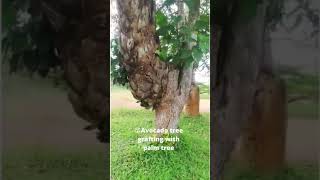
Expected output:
(158, 52)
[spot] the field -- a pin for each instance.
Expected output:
(48, 164)
(43, 138)
(128, 160)
(294, 172)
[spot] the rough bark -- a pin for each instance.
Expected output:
(193, 103)
(238, 63)
(153, 82)
(263, 141)
(82, 48)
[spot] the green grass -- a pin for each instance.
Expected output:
(46, 164)
(117, 88)
(301, 172)
(128, 160)
(303, 110)
(301, 84)
(124, 91)
(204, 91)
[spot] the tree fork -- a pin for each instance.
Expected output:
(154, 83)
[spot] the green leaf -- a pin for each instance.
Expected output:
(202, 23)
(165, 30)
(203, 41)
(185, 53)
(176, 19)
(196, 54)
(161, 19)
(8, 15)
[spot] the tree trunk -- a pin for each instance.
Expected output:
(81, 45)
(264, 139)
(153, 82)
(172, 103)
(263, 144)
(193, 103)
(237, 67)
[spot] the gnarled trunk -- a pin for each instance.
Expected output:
(154, 83)
(82, 46)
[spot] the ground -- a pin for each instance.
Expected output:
(43, 138)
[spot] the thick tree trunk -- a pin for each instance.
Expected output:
(239, 60)
(153, 82)
(81, 45)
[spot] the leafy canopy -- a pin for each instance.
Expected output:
(28, 39)
(174, 39)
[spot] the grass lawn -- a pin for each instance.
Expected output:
(303, 110)
(301, 84)
(43, 164)
(204, 91)
(124, 91)
(190, 159)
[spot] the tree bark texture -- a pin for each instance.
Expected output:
(263, 141)
(82, 47)
(153, 82)
(239, 60)
(193, 103)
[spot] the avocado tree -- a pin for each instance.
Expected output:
(158, 48)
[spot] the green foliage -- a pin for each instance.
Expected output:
(117, 72)
(8, 14)
(174, 40)
(189, 161)
(28, 40)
